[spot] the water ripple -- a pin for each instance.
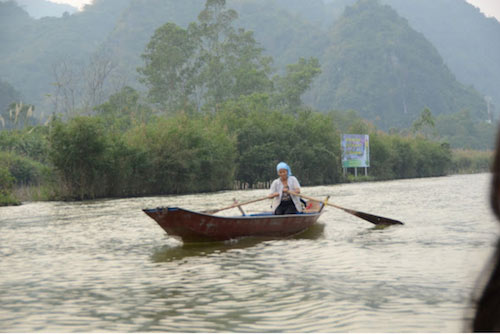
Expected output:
(104, 266)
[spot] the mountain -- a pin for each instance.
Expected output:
(44, 8)
(7, 95)
(287, 29)
(32, 49)
(278, 26)
(468, 41)
(136, 24)
(378, 65)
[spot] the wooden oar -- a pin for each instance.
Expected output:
(377, 220)
(211, 212)
(239, 207)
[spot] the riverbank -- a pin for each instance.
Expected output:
(89, 158)
(44, 193)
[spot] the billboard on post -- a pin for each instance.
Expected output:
(355, 150)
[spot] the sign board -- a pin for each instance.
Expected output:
(355, 151)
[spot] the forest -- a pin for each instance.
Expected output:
(212, 114)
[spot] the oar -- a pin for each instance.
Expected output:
(239, 207)
(211, 212)
(377, 220)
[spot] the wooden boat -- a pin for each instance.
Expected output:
(192, 226)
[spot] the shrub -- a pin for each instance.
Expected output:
(6, 182)
(78, 153)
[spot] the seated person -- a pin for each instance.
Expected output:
(284, 202)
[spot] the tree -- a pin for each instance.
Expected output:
(78, 153)
(234, 62)
(296, 82)
(424, 124)
(209, 62)
(81, 84)
(124, 109)
(6, 182)
(170, 66)
(95, 75)
(66, 87)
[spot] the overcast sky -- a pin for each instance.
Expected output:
(75, 3)
(488, 7)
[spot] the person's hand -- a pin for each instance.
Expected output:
(273, 195)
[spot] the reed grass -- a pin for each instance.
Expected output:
(471, 161)
(33, 193)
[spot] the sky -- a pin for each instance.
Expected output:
(488, 7)
(75, 3)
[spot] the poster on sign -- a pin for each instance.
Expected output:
(355, 150)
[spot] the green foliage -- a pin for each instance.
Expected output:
(462, 131)
(432, 159)
(90, 157)
(183, 155)
(169, 70)
(78, 153)
(424, 123)
(166, 156)
(315, 150)
(394, 157)
(208, 62)
(381, 156)
(307, 141)
(124, 110)
(296, 82)
(23, 153)
(471, 161)
(6, 182)
(24, 171)
(30, 142)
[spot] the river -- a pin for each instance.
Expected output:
(104, 266)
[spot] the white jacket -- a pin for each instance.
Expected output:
(277, 187)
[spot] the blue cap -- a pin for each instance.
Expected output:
(283, 165)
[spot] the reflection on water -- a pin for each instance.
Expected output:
(169, 253)
(105, 266)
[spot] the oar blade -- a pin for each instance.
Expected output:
(377, 220)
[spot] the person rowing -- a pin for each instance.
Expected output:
(285, 203)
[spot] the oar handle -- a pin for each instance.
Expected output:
(236, 205)
(363, 215)
(309, 198)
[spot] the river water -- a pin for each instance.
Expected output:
(104, 266)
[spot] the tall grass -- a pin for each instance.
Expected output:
(471, 161)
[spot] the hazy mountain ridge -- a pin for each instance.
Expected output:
(286, 29)
(32, 48)
(468, 41)
(378, 65)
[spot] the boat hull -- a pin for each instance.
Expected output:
(193, 226)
